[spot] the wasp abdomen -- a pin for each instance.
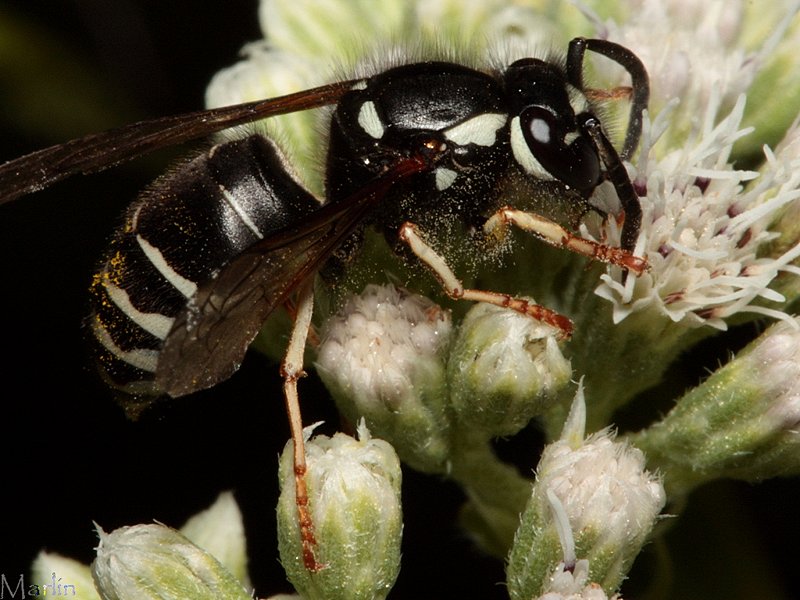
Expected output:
(181, 231)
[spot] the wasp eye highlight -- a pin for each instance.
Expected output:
(566, 155)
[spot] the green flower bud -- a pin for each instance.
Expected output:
(383, 358)
(63, 577)
(354, 500)
(150, 562)
(773, 27)
(219, 530)
(741, 422)
(592, 500)
(504, 369)
(266, 73)
(313, 29)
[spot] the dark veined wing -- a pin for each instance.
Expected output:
(209, 338)
(99, 151)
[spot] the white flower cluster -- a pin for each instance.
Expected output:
(602, 503)
(703, 225)
(705, 219)
(571, 584)
(603, 485)
(380, 341)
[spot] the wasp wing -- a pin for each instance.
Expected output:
(209, 338)
(99, 151)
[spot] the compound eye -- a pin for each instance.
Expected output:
(566, 156)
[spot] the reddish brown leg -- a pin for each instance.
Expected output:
(291, 371)
(455, 289)
(554, 234)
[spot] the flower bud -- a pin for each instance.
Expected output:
(778, 68)
(383, 358)
(592, 500)
(289, 24)
(154, 562)
(219, 530)
(354, 501)
(741, 422)
(269, 72)
(63, 577)
(504, 369)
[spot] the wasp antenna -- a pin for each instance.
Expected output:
(616, 173)
(640, 82)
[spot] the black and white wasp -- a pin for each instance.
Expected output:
(211, 249)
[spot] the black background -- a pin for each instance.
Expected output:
(68, 455)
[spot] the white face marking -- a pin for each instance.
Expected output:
(444, 178)
(577, 100)
(155, 324)
(146, 360)
(184, 286)
(370, 121)
(523, 154)
(480, 130)
(360, 85)
(240, 212)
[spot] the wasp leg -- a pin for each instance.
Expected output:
(291, 371)
(455, 289)
(554, 234)
(313, 335)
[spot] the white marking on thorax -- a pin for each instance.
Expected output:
(369, 120)
(480, 130)
(444, 178)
